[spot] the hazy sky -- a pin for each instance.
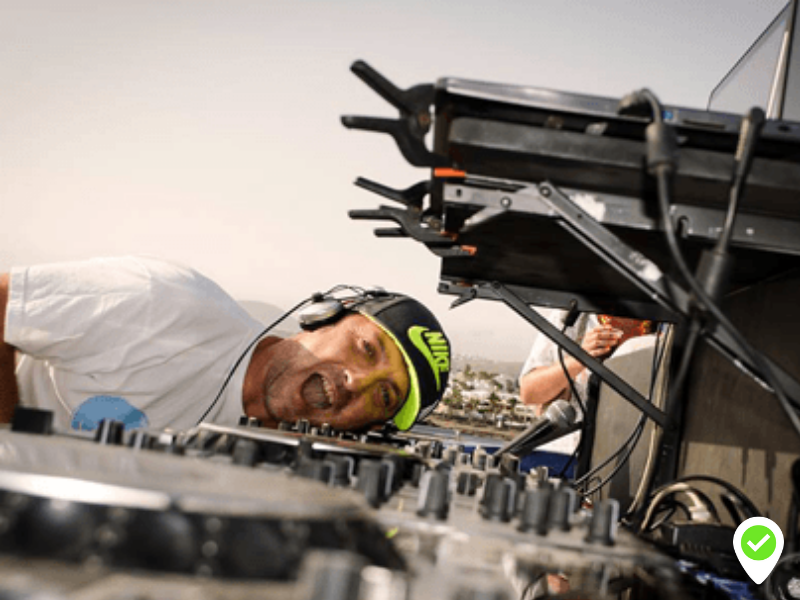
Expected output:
(208, 132)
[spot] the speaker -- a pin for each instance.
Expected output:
(733, 428)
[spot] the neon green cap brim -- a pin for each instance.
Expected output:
(407, 415)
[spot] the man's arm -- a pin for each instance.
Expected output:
(9, 395)
(544, 384)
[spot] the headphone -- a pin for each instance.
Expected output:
(326, 308)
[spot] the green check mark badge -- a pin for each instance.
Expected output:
(758, 542)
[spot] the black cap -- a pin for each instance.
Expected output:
(424, 346)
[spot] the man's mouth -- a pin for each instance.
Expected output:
(318, 392)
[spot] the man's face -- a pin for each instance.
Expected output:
(349, 374)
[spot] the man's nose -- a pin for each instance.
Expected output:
(356, 379)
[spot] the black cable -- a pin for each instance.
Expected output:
(574, 390)
(745, 151)
(715, 480)
(633, 439)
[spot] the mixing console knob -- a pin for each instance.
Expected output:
(335, 575)
(424, 449)
(32, 420)
(140, 440)
(562, 505)
(450, 455)
(536, 510)
(436, 449)
(604, 522)
(369, 482)
(162, 540)
(303, 426)
(109, 432)
(342, 470)
(55, 528)
(325, 430)
(467, 483)
(245, 452)
(434, 494)
(509, 465)
(499, 499)
(479, 458)
(416, 473)
(252, 549)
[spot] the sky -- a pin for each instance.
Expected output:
(208, 132)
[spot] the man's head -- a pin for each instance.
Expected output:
(381, 358)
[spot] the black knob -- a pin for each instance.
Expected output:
(509, 465)
(303, 426)
(424, 449)
(369, 482)
(335, 575)
(416, 473)
(562, 505)
(109, 432)
(450, 455)
(161, 540)
(434, 495)
(245, 452)
(603, 526)
(325, 430)
(32, 420)
(140, 440)
(467, 483)
(317, 470)
(479, 457)
(436, 449)
(499, 500)
(342, 469)
(55, 528)
(246, 421)
(536, 510)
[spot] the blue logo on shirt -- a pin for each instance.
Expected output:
(97, 408)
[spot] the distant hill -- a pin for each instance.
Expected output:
(268, 313)
(477, 363)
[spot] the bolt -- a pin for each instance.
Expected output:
(545, 191)
(505, 202)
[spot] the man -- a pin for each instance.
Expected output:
(543, 379)
(155, 344)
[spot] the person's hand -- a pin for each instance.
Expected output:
(600, 341)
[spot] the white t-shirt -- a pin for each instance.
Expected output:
(544, 352)
(134, 339)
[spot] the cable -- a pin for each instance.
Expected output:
(752, 125)
(707, 478)
(633, 439)
(656, 432)
(577, 396)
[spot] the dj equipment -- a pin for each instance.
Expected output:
(541, 197)
(244, 512)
